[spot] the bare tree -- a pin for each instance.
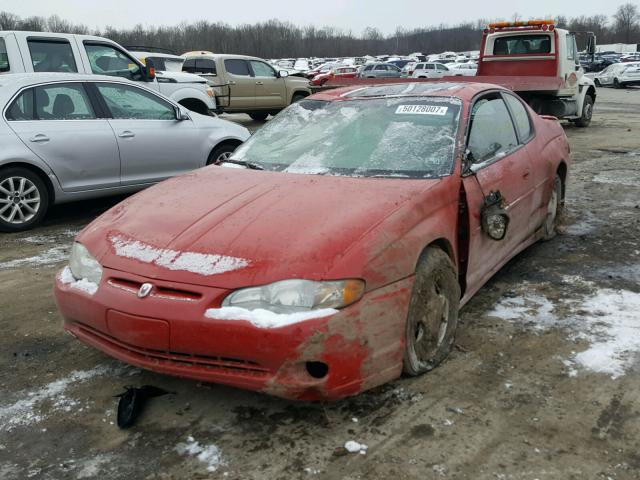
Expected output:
(627, 18)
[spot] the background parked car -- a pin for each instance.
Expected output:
(65, 52)
(430, 70)
(619, 75)
(407, 70)
(337, 72)
(462, 69)
(380, 70)
(69, 137)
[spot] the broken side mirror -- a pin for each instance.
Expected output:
(495, 220)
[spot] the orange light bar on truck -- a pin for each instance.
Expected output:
(529, 23)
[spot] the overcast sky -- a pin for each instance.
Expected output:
(352, 15)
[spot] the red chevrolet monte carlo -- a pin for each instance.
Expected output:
(336, 252)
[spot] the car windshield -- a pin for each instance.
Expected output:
(410, 137)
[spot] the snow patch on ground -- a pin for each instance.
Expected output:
(209, 454)
(265, 318)
(91, 468)
(607, 319)
(618, 177)
(352, 446)
(85, 285)
(24, 412)
(194, 262)
(50, 256)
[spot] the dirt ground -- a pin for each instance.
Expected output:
(544, 382)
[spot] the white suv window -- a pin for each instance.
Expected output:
(128, 102)
(51, 55)
(4, 58)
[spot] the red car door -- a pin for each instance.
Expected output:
(501, 172)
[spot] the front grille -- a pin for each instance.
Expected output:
(219, 364)
(158, 291)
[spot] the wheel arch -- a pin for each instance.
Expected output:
(562, 172)
(227, 141)
(442, 244)
(194, 105)
(36, 170)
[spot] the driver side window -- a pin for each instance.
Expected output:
(492, 134)
(107, 60)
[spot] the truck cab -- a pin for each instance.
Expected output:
(544, 66)
(26, 52)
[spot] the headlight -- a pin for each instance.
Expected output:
(84, 265)
(289, 296)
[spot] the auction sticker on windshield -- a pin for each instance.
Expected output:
(422, 109)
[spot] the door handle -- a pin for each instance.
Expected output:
(39, 138)
(259, 83)
(126, 134)
(231, 82)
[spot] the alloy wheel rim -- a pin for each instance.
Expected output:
(19, 200)
(223, 156)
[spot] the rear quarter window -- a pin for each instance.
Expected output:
(4, 57)
(237, 67)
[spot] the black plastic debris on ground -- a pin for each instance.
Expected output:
(132, 402)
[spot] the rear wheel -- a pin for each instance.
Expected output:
(24, 199)
(616, 83)
(433, 313)
(587, 112)
(554, 210)
(220, 153)
(259, 116)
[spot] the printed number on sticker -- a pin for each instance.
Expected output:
(422, 109)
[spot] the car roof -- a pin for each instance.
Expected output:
(12, 82)
(462, 90)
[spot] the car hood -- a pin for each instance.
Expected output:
(228, 228)
(181, 77)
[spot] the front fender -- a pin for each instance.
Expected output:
(188, 93)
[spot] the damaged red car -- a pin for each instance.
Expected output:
(336, 251)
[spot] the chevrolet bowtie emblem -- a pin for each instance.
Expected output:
(145, 289)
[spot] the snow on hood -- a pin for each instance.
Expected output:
(228, 228)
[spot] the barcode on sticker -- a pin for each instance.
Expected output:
(422, 109)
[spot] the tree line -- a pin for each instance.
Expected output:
(277, 39)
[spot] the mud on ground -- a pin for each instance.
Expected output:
(544, 382)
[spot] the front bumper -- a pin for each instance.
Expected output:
(167, 332)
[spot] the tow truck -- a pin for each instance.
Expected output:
(535, 59)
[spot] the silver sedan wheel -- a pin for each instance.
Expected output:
(19, 200)
(223, 156)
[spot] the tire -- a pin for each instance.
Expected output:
(554, 210)
(587, 112)
(21, 212)
(433, 313)
(616, 83)
(221, 152)
(597, 82)
(297, 97)
(259, 116)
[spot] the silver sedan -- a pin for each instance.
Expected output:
(69, 137)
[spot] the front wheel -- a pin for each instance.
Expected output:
(24, 199)
(433, 313)
(297, 97)
(587, 112)
(220, 153)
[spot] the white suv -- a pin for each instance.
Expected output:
(430, 70)
(25, 52)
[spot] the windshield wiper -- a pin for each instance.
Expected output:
(252, 166)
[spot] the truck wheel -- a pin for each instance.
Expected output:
(433, 313)
(297, 97)
(259, 116)
(587, 112)
(24, 199)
